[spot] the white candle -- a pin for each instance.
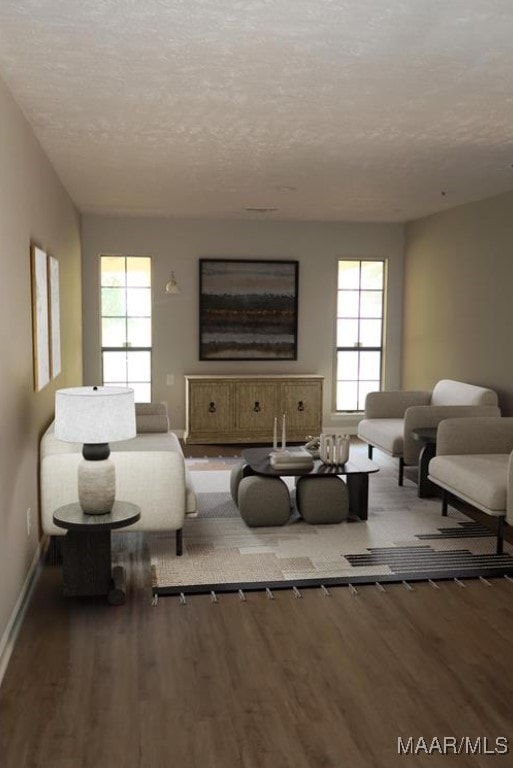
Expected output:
(283, 433)
(275, 433)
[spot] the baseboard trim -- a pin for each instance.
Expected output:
(8, 639)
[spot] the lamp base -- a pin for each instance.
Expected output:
(96, 486)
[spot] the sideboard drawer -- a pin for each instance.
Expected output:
(210, 411)
(256, 405)
(302, 403)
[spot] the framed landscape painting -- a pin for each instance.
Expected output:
(248, 309)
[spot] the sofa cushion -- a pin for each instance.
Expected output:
(383, 433)
(449, 392)
(481, 477)
(151, 417)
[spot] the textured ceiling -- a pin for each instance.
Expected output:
(323, 109)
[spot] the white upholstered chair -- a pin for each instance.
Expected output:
(474, 462)
(391, 416)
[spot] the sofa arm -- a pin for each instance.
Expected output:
(431, 416)
(393, 404)
(475, 435)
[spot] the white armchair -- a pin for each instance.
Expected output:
(474, 462)
(391, 416)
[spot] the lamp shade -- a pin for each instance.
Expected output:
(94, 414)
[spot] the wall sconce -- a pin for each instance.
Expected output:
(172, 286)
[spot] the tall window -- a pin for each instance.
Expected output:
(126, 323)
(360, 297)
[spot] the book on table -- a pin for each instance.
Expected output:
(295, 458)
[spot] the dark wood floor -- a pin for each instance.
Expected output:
(288, 683)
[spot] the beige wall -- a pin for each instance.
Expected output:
(33, 205)
(177, 245)
(458, 297)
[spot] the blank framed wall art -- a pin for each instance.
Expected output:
(40, 326)
(55, 317)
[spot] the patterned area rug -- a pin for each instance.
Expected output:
(404, 539)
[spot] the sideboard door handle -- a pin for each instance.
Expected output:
(257, 407)
(301, 406)
(212, 407)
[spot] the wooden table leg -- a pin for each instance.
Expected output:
(86, 563)
(117, 593)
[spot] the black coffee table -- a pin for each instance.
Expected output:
(86, 552)
(356, 471)
(427, 436)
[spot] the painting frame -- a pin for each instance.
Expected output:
(40, 318)
(54, 316)
(248, 309)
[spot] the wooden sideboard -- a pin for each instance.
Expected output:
(241, 409)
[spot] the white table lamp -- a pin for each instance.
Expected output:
(95, 416)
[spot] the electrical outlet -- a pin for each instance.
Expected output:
(170, 380)
(29, 520)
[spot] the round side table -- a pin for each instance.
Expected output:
(86, 552)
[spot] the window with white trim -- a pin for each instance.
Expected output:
(125, 285)
(359, 335)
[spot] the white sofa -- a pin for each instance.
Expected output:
(150, 472)
(474, 461)
(391, 416)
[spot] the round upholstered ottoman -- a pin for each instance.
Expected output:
(236, 476)
(263, 501)
(322, 499)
